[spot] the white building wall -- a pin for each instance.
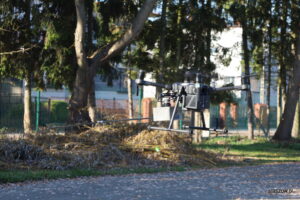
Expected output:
(149, 91)
(231, 38)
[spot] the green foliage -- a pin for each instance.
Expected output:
(13, 115)
(59, 111)
(59, 62)
(223, 96)
(258, 60)
(21, 31)
(3, 130)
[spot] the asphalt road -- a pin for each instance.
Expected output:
(253, 182)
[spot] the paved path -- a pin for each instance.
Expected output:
(254, 182)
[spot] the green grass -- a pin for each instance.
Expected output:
(260, 150)
(12, 176)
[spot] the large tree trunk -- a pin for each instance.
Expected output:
(83, 81)
(27, 105)
(250, 112)
(282, 89)
(78, 101)
(162, 44)
(92, 109)
(284, 129)
(296, 125)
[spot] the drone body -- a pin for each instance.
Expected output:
(192, 94)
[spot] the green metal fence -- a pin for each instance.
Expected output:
(55, 111)
(12, 110)
(241, 122)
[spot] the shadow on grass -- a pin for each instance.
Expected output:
(290, 152)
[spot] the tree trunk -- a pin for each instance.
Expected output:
(284, 129)
(197, 133)
(162, 40)
(83, 81)
(296, 125)
(130, 101)
(208, 35)
(92, 103)
(27, 105)
(92, 109)
(279, 104)
(162, 44)
(179, 34)
(250, 112)
(283, 57)
(78, 101)
(270, 38)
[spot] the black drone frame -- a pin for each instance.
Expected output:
(180, 97)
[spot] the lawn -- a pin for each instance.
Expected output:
(259, 150)
(12, 176)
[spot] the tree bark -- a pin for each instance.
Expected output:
(86, 73)
(92, 109)
(78, 101)
(162, 44)
(284, 129)
(27, 81)
(179, 34)
(27, 105)
(296, 125)
(250, 112)
(197, 133)
(162, 40)
(279, 104)
(270, 39)
(92, 103)
(130, 101)
(282, 59)
(208, 35)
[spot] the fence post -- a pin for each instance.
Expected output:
(49, 110)
(222, 114)
(140, 101)
(114, 104)
(147, 109)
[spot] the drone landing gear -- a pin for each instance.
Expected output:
(187, 129)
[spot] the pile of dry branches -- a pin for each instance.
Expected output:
(107, 146)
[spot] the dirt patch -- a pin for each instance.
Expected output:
(103, 147)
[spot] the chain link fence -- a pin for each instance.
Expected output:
(54, 111)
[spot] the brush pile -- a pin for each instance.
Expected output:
(170, 147)
(107, 146)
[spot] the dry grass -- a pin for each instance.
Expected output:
(121, 145)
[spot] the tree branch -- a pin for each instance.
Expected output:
(110, 50)
(22, 50)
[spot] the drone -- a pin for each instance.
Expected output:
(192, 94)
